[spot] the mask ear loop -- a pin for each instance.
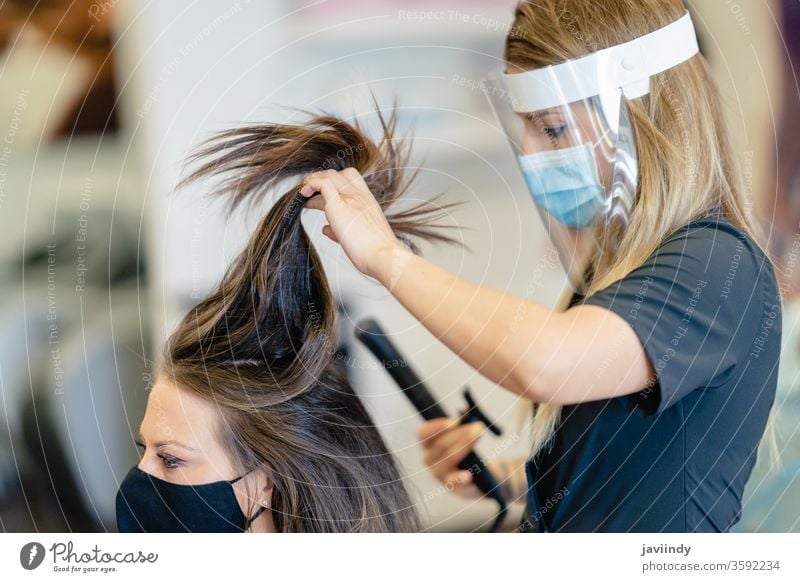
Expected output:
(249, 521)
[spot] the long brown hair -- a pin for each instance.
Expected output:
(261, 346)
(687, 165)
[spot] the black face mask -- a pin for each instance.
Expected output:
(148, 504)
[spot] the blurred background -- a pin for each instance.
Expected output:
(100, 102)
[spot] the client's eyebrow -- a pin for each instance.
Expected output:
(169, 442)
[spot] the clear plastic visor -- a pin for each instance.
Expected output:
(578, 161)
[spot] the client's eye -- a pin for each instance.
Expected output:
(169, 461)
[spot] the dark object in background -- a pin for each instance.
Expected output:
(787, 188)
(83, 29)
(97, 250)
(74, 348)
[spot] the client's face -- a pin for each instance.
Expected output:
(179, 436)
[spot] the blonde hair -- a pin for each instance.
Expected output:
(686, 160)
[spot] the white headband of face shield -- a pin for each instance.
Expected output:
(628, 66)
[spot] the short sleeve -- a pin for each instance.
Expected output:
(694, 305)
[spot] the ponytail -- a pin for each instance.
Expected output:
(261, 345)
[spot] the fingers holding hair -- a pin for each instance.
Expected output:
(327, 188)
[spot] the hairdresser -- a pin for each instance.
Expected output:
(651, 386)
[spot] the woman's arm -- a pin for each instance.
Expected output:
(586, 353)
(491, 331)
(540, 354)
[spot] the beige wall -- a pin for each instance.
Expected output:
(740, 38)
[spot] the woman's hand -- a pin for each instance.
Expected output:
(445, 443)
(355, 219)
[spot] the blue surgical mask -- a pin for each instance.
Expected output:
(565, 184)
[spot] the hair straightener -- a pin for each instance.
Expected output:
(373, 337)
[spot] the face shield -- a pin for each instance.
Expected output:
(568, 127)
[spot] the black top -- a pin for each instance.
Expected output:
(674, 457)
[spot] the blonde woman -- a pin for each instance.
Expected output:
(652, 388)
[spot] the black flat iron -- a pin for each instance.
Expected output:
(373, 337)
